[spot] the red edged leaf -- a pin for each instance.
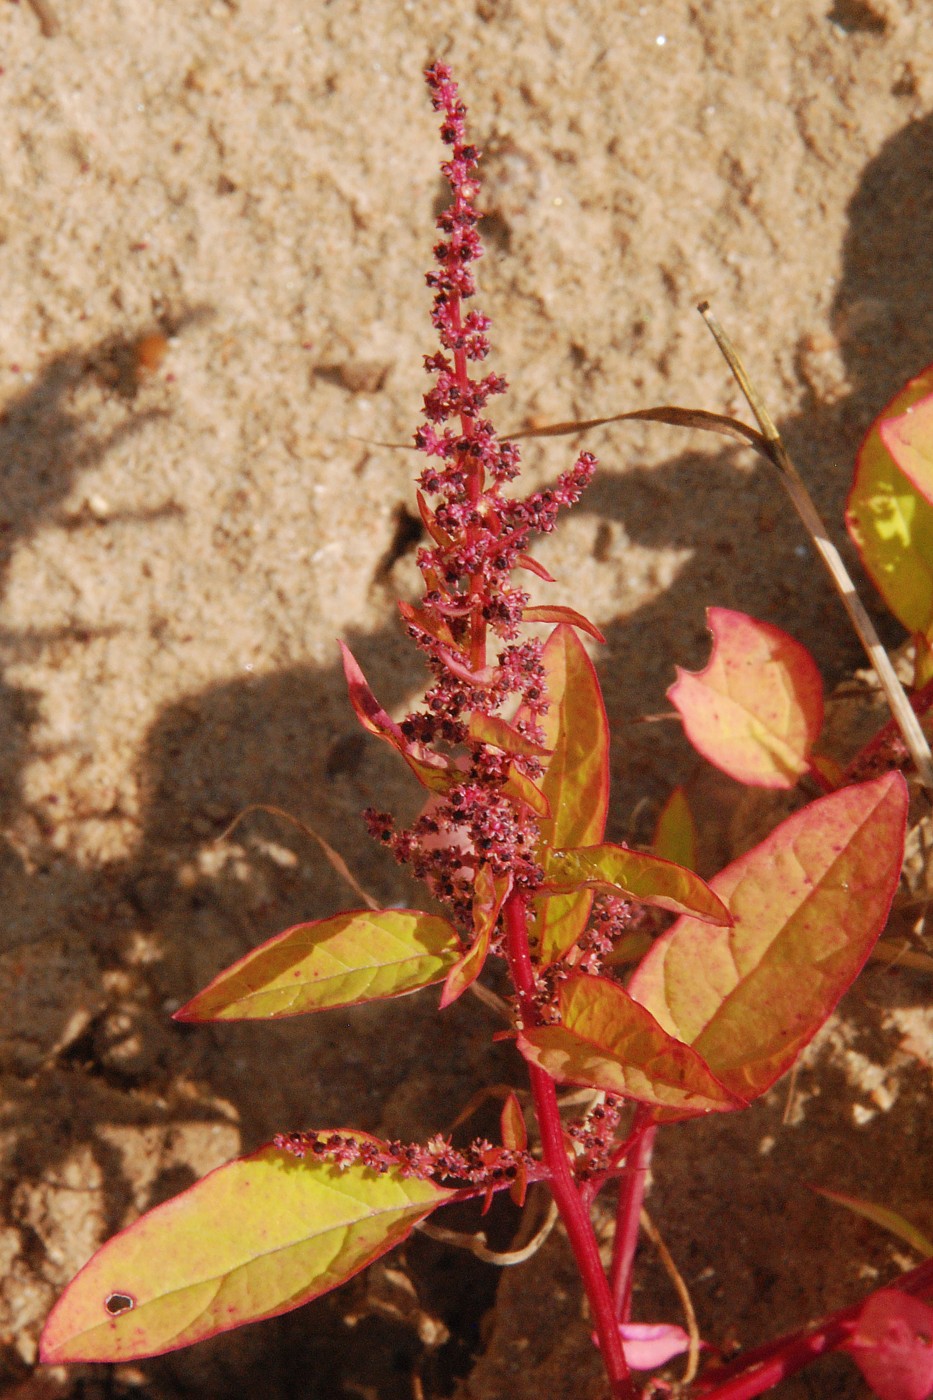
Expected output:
(434, 626)
(481, 679)
(253, 1239)
(512, 1123)
(675, 836)
(576, 783)
(362, 955)
(756, 710)
(432, 771)
(644, 878)
(558, 613)
(429, 521)
(521, 787)
(893, 1345)
(808, 903)
(608, 1041)
(489, 895)
(491, 729)
(528, 561)
(881, 1215)
(891, 523)
(908, 436)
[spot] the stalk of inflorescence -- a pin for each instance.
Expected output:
(478, 537)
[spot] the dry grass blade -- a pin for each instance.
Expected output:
(900, 706)
(335, 860)
(48, 19)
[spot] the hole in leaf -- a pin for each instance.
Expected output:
(117, 1303)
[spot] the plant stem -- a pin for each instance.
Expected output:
(763, 1367)
(563, 1187)
(631, 1195)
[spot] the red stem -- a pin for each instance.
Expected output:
(563, 1186)
(631, 1195)
(763, 1367)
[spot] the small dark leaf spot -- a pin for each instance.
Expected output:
(117, 1303)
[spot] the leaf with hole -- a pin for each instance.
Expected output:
(756, 710)
(253, 1239)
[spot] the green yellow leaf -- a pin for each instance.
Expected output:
(756, 710)
(891, 523)
(253, 1239)
(808, 904)
(644, 878)
(908, 436)
(607, 1041)
(491, 729)
(362, 955)
(675, 835)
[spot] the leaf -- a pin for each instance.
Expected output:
(893, 1345)
(253, 1239)
(647, 879)
(808, 904)
(353, 957)
(675, 836)
(757, 708)
(488, 897)
(557, 613)
(607, 1041)
(576, 783)
(512, 1124)
(521, 788)
(908, 436)
(881, 1215)
(431, 770)
(891, 523)
(648, 1345)
(492, 729)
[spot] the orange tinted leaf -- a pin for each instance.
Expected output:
(675, 836)
(253, 1239)
(892, 523)
(491, 729)
(808, 905)
(576, 783)
(908, 436)
(488, 897)
(520, 786)
(607, 1041)
(362, 955)
(757, 708)
(558, 613)
(644, 878)
(512, 1123)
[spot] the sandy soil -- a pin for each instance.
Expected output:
(183, 537)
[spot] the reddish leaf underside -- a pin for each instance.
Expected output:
(893, 1346)
(891, 523)
(757, 708)
(644, 878)
(576, 783)
(607, 1041)
(808, 904)
(431, 770)
(362, 955)
(253, 1239)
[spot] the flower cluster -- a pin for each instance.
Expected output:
(478, 537)
(482, 1163)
